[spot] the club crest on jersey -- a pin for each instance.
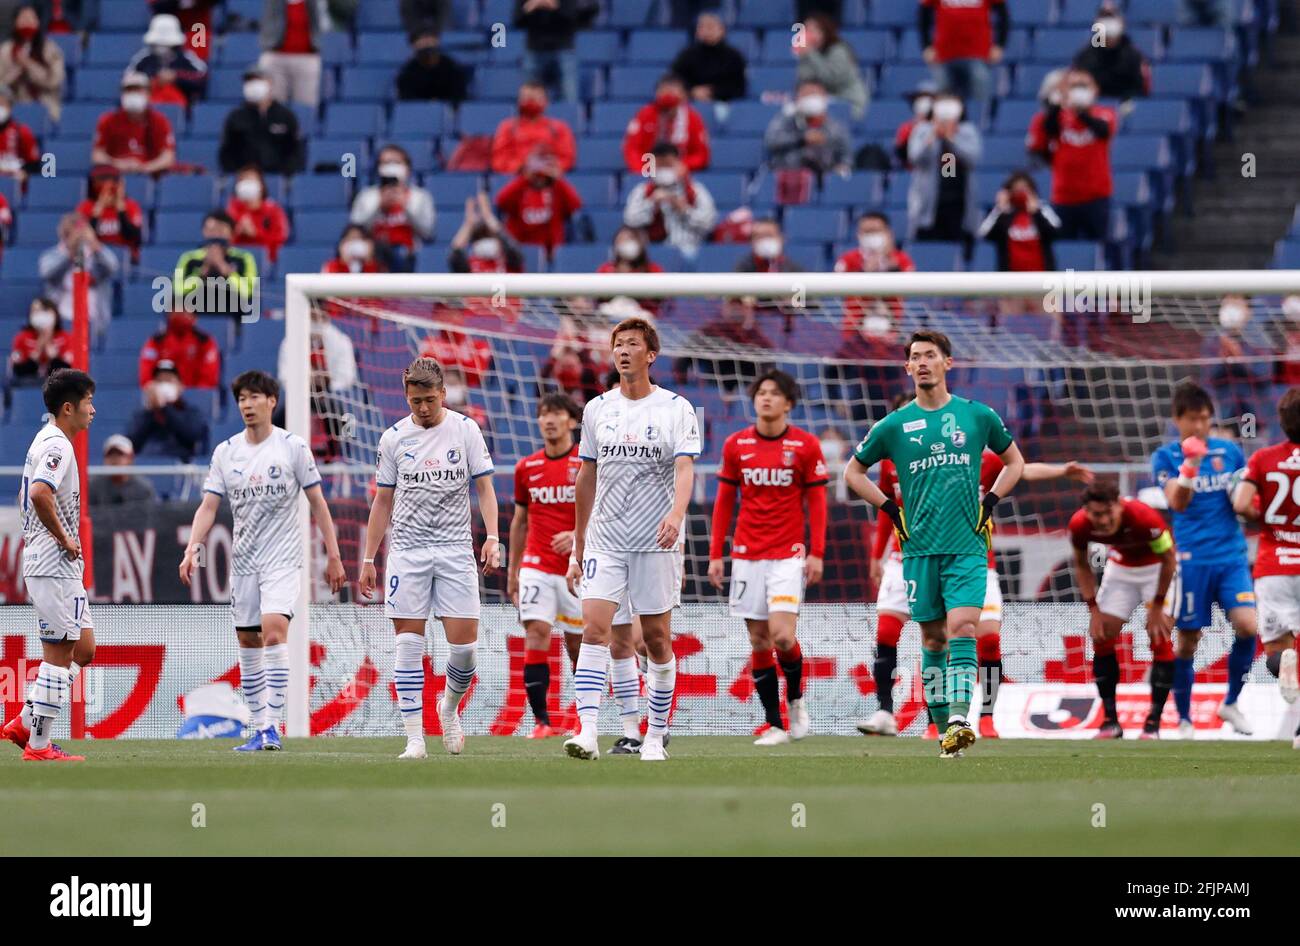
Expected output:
(453, 455)
(573, 474)
(53, 461)
(959, 438)
(652, 432)
(273, 471)
(1217, 463)
(787, 457)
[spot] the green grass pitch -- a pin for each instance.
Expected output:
(716, 795)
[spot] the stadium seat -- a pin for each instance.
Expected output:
(207, 119)
(54, 193)
(179, 226)
(200, 152)
(113, 49)
(336, 49)
(601, 154)
(324, 154)
(777, 80)
(900, 79)
(810, 255)
(303, 259)
(420, 148)
(238, 49)
(610, 118)
(579, 258)
(482, 118)
(893, 14)
(1029, 78)
(1206, 44)
(936, 257)
(342, 119)
(380, 16)
(719, 257)
(226, 85)
(604, 224)
(98, 84)
(451, 190)
(870, 46)
(38, 228)
(750, 118)
(1004, 151)
(19, 262)
(34, 116)
(776, 47)
(1153, 12)
(1034, 13)
(319, 192)
(862, 189)
(727, 188)
(418, 118)
(364, 84)
(1187, 79)
(741, 153)
(1058, 46)
(627, 14)
(595, 189)
(78, 121)
(1014, 116)
(883, 119)
(70, 45)
(811, 224)
(1286, 254)
(634, 83)
(1078, 255)
(186, 192)
(653, 48)
(599, 47)
(499, 83)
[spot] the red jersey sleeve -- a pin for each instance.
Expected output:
(565, 149)
(634, 140)
(1253, 472)
(209, 375)
(698, 151)
(1079, 530)
(148, 358)
(508, 197)
(730, 471)
(101, 131)
(1144, 517)
(570, 202)
(521, 490)
(1036, 139)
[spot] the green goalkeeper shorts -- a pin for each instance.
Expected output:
(937, 584)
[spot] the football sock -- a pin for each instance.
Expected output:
(1184, 676)
(1162, 679)
(791, 662)
(934, 671)
(537, 683)
(460, 673)
(990, 654)
(49, 694)
(626, 682)
(589, 684)
(252, 681)
(883, 671)
(1272, 661)
(963, 669)
(408, 678)
(276, 657)
(660, 683)
(1105, 673)
(769, 689)
(1240, 659)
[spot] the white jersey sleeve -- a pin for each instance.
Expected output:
(50, 460)
(386, 460)
(216, 480)
(304, 464)
(588, 448)
(687, 434)
(476, 451)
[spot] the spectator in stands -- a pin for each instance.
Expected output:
(192, 13)
(1022, 227)
(1288, 369)
(398, 212)
(866, 369)
(177, 74)
(804, 137)
(192, 351)
(290, 49)
(356, 253)
(481, 245)
(167, 425)
(470, 353)
(766, 250)
(77, 240)
(876, 252)
(961, 39)
(629, 254)
(712, 69)
(430, 75)
(570, 370)
(941, 200)
(835, 446)
(457, 398)
(538, 204)
(421, 16)
(669, 118)
(116, 218)
(333, 372)
(217, 274)
(825, 57)
(1203, 13)
(41, 346)
(259, 220)
(1111, 57)
(549, 54)
(670, 206)
(1238, 367)
(120, 488)
(135, 138)
(261, 132)
(922, 99)
(32, 66)
(736, 325)
(520, 136)
(6, 222)
(1074, 137)
(20, 154)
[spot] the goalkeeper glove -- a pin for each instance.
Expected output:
(985, 526)
(1194, 450)
(892, 510)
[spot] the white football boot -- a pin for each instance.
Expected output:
(774, 736)
(652, 749)
(1186, 730)
(583, 746)
(414, 748)
(1234, 718)
(1288, 679)
(453, 737)
(881, 724)
(799, 723)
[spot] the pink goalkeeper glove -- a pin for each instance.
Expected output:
(1194, 450)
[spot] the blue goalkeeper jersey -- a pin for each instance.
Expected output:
(1207, 530)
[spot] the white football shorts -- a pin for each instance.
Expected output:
(441, 580)
(62, 609)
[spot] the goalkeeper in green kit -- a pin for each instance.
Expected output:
(944, 528)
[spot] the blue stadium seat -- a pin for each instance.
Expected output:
(740, 153)
(1029, 77)
(598, 47)
(186, 192)
(19, 262)
(383, 49)
(870, 46)
(226, 85)
(54, 193)
(9, 191)
(140, 188)
(308, 119)
(98, 84)
(1078, 13)
(810, 224)
(303, 259)
(810, 255)
(379, 16)
(329, 152)
(901, 79)
(451, 190)
(984, 259)
(627, 14)
(936, 257)
(482, 118)
(894, 14)
(1004, 151)
(635, 83)
(199, 151)
(602, 154)
(343, 119)
(34, 116)
(38, 228)
(497, 11)
(179, 226)
(1286, 254)
(719, 257)
(238, 49)
(1059, 46)
(364, 84)
(653, 47)
(207, 119)
(1187, 79)
(1207, 44)
(499, 83)
(771, 79)
(336, 49)
(1149, 40)
(70, 45)
(908, 47)
(579, 258)
(319, 192)
(727, 188)
(160, 260)
(610, 118)
(775, 49)
(1079, 255)
(113, 49)
(1035, 13)
(605, 223)
(862, 189)
(596, 190)
(765, 14)
(1014, 116)
(1153, 12)
(750, 118)
(123, 17)
(420, 148)
(883, 118)
(418, 118)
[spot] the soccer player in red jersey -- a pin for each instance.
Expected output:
(1268, 493)
(1141, 568)
(541, 538)
(773, 466)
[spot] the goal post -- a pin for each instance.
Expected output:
(1113, 386)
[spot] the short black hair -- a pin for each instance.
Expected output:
(665, 149)
(66, 386)
(1190, 396)
(876, 215)
(221, 217)
(938, 339)
(787, 385)
(1100, 491)
(255, 381)
(559, 401)
(1288, 412)
(670, 78)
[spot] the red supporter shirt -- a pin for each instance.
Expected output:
(1080, 160)
(197, 358)
(963, 29)
(107, 226)
(17, 146)
(536, 215)
(269, 219)
(545, 484)
(27, 348)
(393, 226)
(772, 475)
(297, 28)
(683, 126)
(472, 355)
(516, 138)
(124, 137)
(1130, 545)
(1274, 471)
(857, 307)
(1024, 246)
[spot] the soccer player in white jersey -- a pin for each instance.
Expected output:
(262, 471)
(50, 500)
(426, 463)
(638, 450)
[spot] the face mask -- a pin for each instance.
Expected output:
(1081, 96)
(43, 320)
(255, 90)
(1233, 316)
(356, 249)
(767, 247)
(813, 105)
(873, 242)
(666, 100)
(1291, 308)
(4, 114)
(168, 391)
(921, 106)
(666, 177)
(177, 322)
(25, 33)
(135, 101)
(1019, 200)
(248, 189)
(833, 450)
(1110, 28)
(531, 108)
(876, 326)
(947, 110)
(456, 393)
(486, 248)
(162, 52)
(627, 249)
(394, 169)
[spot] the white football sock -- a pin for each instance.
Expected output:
(408, 677)
(277, 682)
(627, 693)
(589, 684)
(49, 695)
(460, 673)
(252, 681)
(660, 683)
